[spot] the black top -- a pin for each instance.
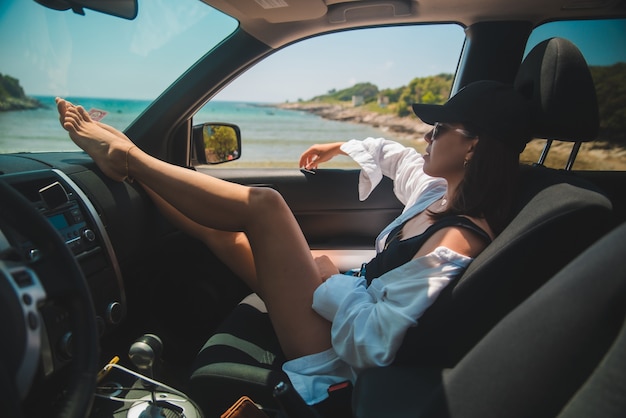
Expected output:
(398, 251)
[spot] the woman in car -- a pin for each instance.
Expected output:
(330, 325)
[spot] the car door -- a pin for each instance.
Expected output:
(327, 207)
(331, 88)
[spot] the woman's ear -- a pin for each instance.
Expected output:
(471, 147)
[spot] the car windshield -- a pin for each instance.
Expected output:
(92, 59)
(117, 67)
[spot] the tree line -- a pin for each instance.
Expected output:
(610, 82)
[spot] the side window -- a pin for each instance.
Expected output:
(603, 44)
(336, 87)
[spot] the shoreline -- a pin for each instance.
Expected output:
(593, 154)
(12, 104)
(409, 127)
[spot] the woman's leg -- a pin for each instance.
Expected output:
(232, 248)
(286, 272)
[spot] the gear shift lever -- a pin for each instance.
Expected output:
(145, 354)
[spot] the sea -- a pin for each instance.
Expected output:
(271, 136)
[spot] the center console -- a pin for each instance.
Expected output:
(125, 393)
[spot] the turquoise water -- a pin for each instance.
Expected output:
(269, 135)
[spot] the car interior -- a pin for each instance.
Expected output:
(114, 312)
(550, 202)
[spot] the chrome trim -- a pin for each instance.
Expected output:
(47, 362)
(100, 226)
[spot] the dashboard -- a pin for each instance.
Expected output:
(59, 199)
(113, 231)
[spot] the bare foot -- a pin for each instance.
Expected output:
(107, 146)
(63, 104)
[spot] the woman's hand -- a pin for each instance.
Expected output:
(319, 153)
(325, 267)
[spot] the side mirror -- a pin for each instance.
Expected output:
(215, 143)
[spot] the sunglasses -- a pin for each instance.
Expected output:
(439, 128)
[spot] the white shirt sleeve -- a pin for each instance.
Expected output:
(380, 157)
(369, 323)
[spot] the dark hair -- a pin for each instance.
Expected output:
(489, 185)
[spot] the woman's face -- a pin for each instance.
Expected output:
(449, 146)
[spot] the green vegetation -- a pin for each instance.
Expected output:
(430, 90)
(220, 143)
(12, 96)
(610, 84)
(433, 89)
(368, 91)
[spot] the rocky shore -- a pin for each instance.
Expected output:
(12, 103)
(12, 96)
(593, 155)
(409, 127)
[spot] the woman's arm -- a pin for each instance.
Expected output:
(369, 323)
(380, 157)
(377, 157)
(320, 153)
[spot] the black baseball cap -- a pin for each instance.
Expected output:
(487, 106)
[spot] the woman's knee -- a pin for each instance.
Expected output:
(266, 199)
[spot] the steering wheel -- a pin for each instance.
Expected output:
(24, 285)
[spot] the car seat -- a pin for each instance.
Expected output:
(561, 353)
(558, 216)
(557, 78)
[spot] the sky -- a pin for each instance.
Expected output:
(61, 53)
(338, 61)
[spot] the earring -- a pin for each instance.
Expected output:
(465, 162)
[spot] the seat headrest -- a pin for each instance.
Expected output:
(556, 78)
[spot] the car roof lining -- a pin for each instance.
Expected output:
(280, 22)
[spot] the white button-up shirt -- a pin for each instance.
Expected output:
(369, 322)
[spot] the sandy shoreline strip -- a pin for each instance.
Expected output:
(593, 155)
(409, 127)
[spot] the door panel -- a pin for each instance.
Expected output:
(327, 207)
(326, 204)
